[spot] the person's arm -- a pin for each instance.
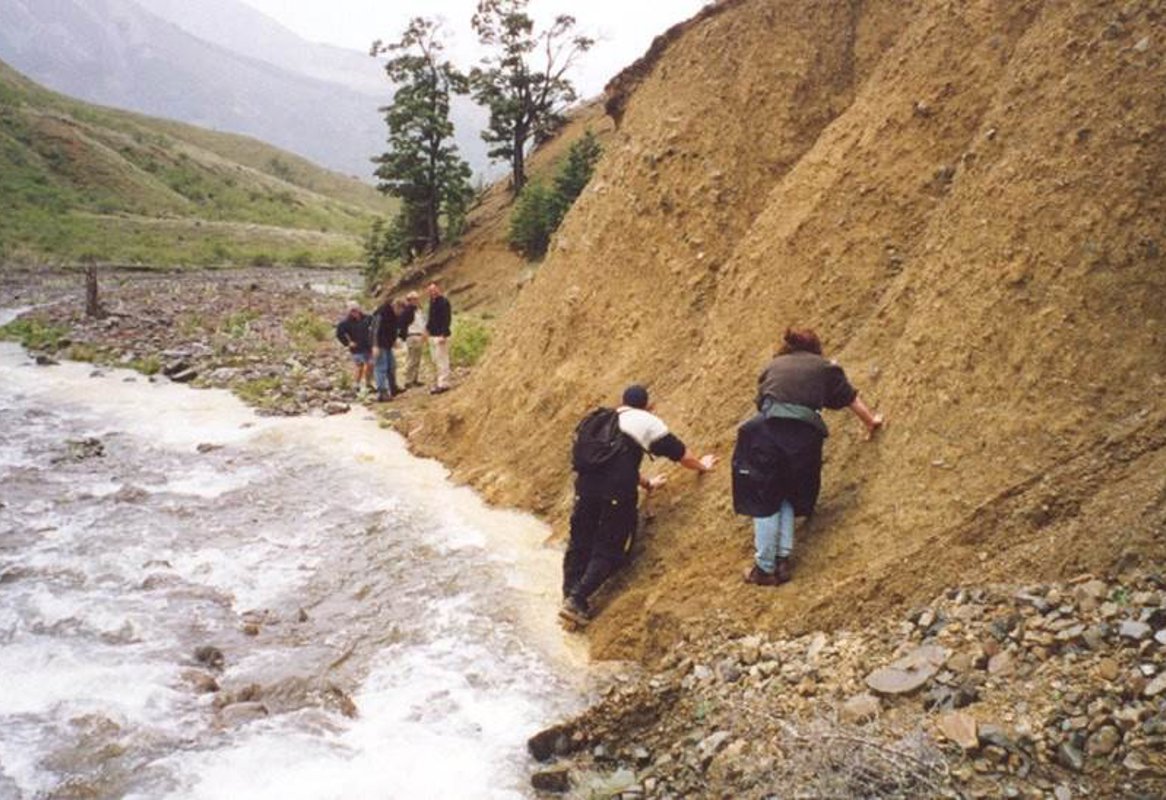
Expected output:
(870, 419)
(342, 335)
(701, 465)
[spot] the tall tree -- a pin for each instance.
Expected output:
(422, 166)
(523, 82)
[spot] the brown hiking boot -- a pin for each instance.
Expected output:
(782, 572)
(759, 577)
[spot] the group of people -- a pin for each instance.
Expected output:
(371, 339)
(777, 464)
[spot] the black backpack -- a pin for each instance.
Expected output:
(598, 440)
(759, 469)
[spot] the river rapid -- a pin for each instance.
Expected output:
(382, 633)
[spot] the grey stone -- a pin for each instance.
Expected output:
(1136, 631)
(1062, 792)
(1156, 686)
(713, 743)
(910, 673)
(1070, 757)
(185, 376)
(1103, 741)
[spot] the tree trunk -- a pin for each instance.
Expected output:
(518, 176)
(92, 303)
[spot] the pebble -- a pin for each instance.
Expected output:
(556, 780)
(1131, 629)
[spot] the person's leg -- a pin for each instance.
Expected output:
(381, 372)
(765, 534)
(785, 534)
(441, 363)
(584, 520)
(617, 521)
(413, 364)
(391, 373)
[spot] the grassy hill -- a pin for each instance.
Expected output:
(79, 181)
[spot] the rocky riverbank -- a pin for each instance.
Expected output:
(997, 691)
(265, 335)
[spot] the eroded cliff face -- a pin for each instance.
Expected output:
(965, 199)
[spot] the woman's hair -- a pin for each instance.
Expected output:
(800, 340)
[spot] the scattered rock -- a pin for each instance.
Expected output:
(242, 713)
(210, 655)
(550, 742)
(908, 674)
(1132, 629)
(207, 447)
(46, 361)
(1103, 741)
(557, 780)
(1070, 757)
(860, 709)
(960, 728)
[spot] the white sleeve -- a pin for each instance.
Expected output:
(642, 426)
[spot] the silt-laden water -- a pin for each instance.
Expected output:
(334, 572)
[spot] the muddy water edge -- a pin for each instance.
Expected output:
(199, 601)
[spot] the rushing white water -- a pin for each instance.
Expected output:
(316, 554)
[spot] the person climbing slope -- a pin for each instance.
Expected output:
(609, 446)
(777, 460)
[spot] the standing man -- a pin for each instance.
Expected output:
(384, 336)
(438, 328)
(411, 322)
(606, 495)
(353, 332)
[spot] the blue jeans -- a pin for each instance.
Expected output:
(384, 370)
(774, 537)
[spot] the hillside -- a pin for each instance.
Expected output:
(79, 181)
(964, 199)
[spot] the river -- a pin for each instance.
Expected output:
(385, 634)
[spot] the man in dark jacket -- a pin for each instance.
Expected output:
(604, 516)
(384, 336)
(353, 332)
(438, 328)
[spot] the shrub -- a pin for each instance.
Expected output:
(34, 334)
(470, 339)
(539, 210)
(304, 328)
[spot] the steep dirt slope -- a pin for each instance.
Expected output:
(965, 199)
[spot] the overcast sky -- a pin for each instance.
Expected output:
(623, 29)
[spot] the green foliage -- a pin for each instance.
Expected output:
(306, 329)
(421, 167)
(238, 324)
(34, 334)
(525, 99)
(150, 365)
(470, 339)
(533, 220)
(539, 210)
(257, 391)
(82, 351)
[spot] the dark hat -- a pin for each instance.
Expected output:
(635, 396)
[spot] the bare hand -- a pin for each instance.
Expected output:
(876, 422)
(707, 462)
(655, 483)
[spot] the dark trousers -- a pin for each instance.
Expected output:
(600, 528)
